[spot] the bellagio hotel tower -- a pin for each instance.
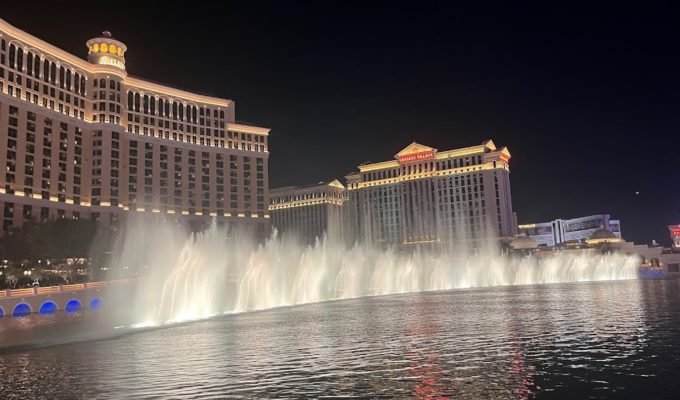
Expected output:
(83, 139)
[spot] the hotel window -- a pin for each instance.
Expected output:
(12, 55)
(62, 77)
(53, 74)
(29, 63)
(160, 109)
(46, 70)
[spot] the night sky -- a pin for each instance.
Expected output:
(586, 98)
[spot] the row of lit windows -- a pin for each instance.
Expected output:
(307, 196)
(423, 167)
(28, 212)
(34, 84)
(67, 79)
(163, 108)
(239, 140)
(48, 102)
(187, 138)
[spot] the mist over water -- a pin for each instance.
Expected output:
(193, 276)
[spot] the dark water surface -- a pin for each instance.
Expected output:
(587, 340)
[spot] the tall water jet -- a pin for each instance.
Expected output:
(185, 276)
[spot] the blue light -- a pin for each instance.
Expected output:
(72, 306)
(21, 310)
(48, 307)
(96, 303)
(2, 312)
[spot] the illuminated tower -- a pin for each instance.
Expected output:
(105, 50)
(106, 88)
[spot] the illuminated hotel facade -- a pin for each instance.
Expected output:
(309, 212)
(83, 139)
(578, 229)
(426, 196)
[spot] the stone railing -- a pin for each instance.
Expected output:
(35, 291)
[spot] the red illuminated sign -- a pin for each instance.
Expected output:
(423, 155)
(674, 229)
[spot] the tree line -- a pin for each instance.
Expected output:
(60, 238)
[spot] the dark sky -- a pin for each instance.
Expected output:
(586, 98)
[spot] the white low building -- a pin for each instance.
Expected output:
(579, 229)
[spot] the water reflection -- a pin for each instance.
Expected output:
(425, 370)
(594, 340)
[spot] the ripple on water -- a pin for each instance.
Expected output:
(613, 339)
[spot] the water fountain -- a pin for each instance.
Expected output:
(194, 276)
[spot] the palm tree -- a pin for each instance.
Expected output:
(12, 280)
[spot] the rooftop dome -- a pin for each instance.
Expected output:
(603, 234)
(523, 242)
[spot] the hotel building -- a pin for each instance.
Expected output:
(309, 212)
(84, 139)
(674, 231)
(426, 196)
(579, 229)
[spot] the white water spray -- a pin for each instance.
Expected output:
(186, 277)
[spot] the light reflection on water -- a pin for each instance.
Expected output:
(597, 340)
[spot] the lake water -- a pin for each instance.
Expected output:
(582, 340)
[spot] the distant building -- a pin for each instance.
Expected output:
(310, 211)
(426, 196)
(674, 231)
(567, 230)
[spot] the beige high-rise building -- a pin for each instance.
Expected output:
(309, 212)
(83, 139)
(425, 196)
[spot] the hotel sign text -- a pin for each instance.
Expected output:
(423, 155)
(674, 229)
(111, 61)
